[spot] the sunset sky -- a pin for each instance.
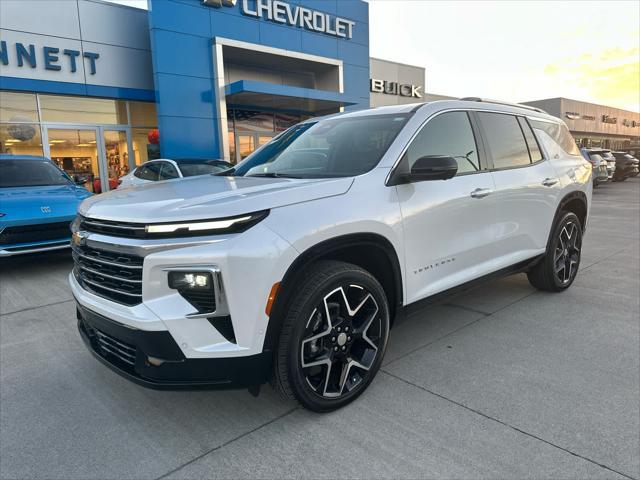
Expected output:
(515, 51)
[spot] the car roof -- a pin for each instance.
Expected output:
(467, 103)
(9, 156)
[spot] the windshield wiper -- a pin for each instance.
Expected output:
(272, 175)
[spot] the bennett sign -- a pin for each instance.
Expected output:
(295, 15)
(395, 88)
(53, 58)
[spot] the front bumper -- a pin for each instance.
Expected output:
(23, 249)
(154, 360)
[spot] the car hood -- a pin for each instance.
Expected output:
(23, 205)
(206, 197)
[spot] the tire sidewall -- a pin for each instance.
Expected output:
(301, 389)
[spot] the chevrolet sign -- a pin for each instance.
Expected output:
(295, 15)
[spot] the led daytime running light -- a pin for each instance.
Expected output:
(196, 226)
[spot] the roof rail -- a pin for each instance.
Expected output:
(499, 102)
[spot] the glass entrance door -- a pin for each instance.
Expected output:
(116, 151)
(97, 155)
(76, 152)
(247, 143)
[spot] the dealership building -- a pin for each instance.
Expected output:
(87, 83)
(595, 125)
(100, 87)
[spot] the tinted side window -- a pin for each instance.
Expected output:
(505, 140)
(448, 134)
(168, 171)
(139, 172)
(560, 134)
(532, 143)
(151, 172)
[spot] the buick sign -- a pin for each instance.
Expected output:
(294, 15)
(395, 88)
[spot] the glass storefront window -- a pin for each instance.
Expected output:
(21, 139)
(251, 121)
(143, 150)
(58, 108)
(117, 152)
(76, 152)
(284, 121)
(143, 114)
(232, 147)
(18, 107)
(246, 145)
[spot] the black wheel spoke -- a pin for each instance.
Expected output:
(341, 341)
(566, 255)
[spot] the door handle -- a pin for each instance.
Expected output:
(549, 182)
(481, 192)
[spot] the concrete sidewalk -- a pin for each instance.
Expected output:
(500, 382)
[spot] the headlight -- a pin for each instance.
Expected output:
(222, 225)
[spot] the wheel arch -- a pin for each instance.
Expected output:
(575, 202)
(370, 251)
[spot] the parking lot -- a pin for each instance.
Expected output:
(499, 382)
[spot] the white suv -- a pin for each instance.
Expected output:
(293, 266)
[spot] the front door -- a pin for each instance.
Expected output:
(76, 151)
(448, 224)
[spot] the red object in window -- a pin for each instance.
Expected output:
(154, 137)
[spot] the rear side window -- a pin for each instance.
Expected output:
(560, 134)
(448, 134)
(505, 140)
(532, 143)
(168, 171)
(150, 172)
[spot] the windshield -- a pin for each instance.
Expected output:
(30, 173)
(200, 168)
(335, 147)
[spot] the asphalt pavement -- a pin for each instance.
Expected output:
(499, 382)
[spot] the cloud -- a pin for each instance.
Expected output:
(611, 76)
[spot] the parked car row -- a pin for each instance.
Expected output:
(610, 166)
(38, 200)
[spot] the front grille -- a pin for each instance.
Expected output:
(35, 233)
(116, 229)
(112, 275)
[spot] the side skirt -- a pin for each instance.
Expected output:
(519, 267)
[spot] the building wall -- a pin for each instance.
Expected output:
(183, 33)
(573, 112)
(395, 73)
(118, 34)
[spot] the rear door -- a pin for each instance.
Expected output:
(448, 224)
(526, 187)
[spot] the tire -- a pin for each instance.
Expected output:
(559, 267)
(337, 323)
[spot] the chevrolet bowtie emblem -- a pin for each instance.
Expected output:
(219, 3)
(78, 238)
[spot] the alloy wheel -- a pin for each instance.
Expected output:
(341, 342)
(567, 253)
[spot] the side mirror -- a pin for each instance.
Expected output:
(432, 167)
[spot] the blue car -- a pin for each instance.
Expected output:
(38, 202)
